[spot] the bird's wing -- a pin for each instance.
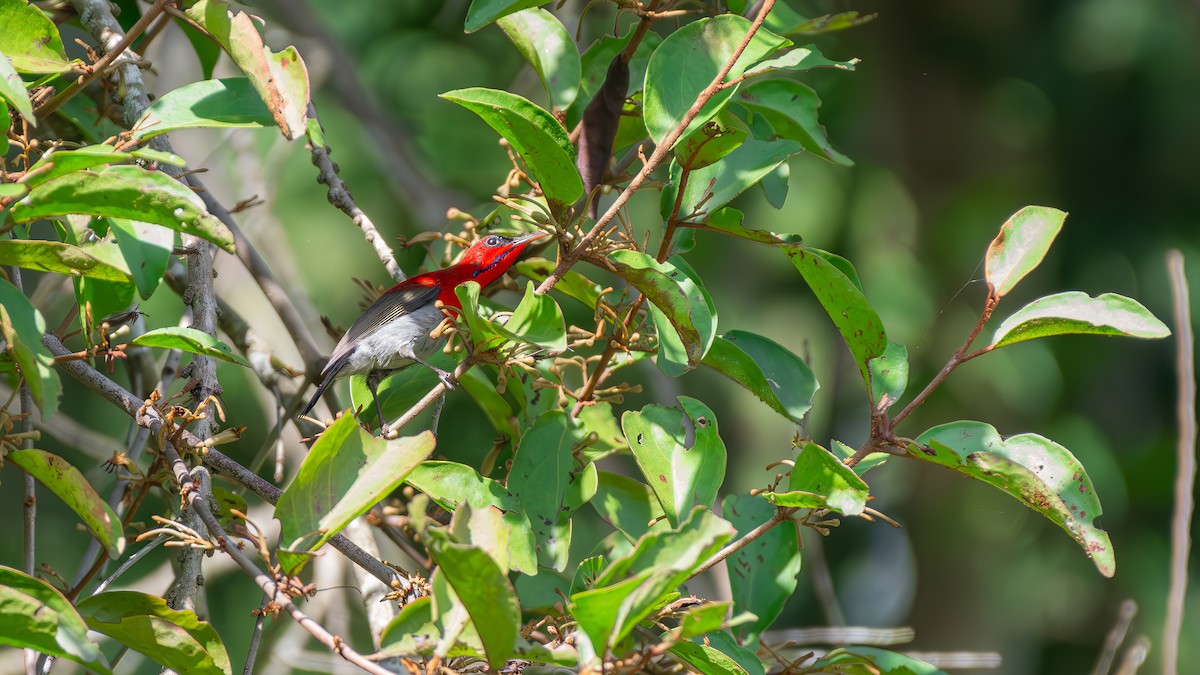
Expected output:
(397, 302)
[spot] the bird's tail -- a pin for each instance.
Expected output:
(328, 376)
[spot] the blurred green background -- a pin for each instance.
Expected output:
(959, 114)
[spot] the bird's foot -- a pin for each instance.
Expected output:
(447, 378)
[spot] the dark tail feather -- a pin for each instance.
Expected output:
(330, 374)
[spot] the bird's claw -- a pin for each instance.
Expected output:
(448, 379)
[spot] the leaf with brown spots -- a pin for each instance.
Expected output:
(1036, 470)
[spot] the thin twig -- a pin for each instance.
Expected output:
(256, 638)
(154, 543)
(660, 153)
(272, 590)
(1135, 656)
(1116, 635)
(149, 417)
(339, 195)
(781, 515)
(1185, 471)
(105, 61)
(433, 395)
(958, 358)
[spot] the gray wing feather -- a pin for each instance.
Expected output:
(390, 306)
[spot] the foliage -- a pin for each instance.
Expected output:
(712, 109)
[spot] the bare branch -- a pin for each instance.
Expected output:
(339, 196)
(148, 417)
(1185, 470)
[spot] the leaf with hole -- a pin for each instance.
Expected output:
(681, 475)
(1076, 313)
(1021, 245)
(1042, 474)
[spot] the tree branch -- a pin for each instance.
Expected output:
(339, 195)
(660, 153)
(150, 418)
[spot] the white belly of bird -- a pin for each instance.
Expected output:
(392, 345)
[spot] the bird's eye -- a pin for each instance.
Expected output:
(492, 241)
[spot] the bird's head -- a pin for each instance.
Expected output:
(490, 257)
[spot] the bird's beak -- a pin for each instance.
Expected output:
(529, 237)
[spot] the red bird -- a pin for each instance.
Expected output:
(393, 333)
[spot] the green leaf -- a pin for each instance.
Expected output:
(634, 586)
(411, 631)
(188, 340)
(728, 221)
(832, 22)
(483, 391)
(533, 133)
(483, 12)
(146, 249)
(762, 576)
(55, 256)
(30, 40)
(627, 504)
(598, 419)
(484, 590)
(61, 162)
(346, 473)
(845, 303)
(587, 572)
(791, 108)
(1023, 241)
(541, 478)
(682, 476)
(686, 63)
(595, 62)
(450, 484)
(776, 376)
(573, 284)
(1076, 313)
(888, 374)
(677, 295)
(869, 462)
(801, 59)
(549, 48)
(537, 320)
(124, 192)
(225, 103)
(281, 79)
(701, 619)
(711, 142)
(674, 357)
(1036, 470)
(819, 472)
(12, 89)
(724, 642)
(486, 335)
(35, 615)
(22, 326)
(775, 185)
(714, 186)
(69, 485)
(705, 659)
(178, 640)
(873, 660)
